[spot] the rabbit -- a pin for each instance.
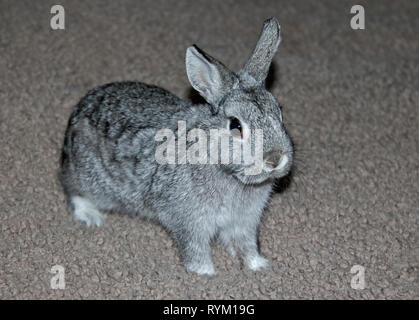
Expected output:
(108, 157)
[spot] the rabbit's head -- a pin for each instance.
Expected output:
(244, 105)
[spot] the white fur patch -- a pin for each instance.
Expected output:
(256, 263)
(85, 211)
(201, 269)
(282, 163)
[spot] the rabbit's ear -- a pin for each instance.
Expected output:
(207, 75)
(258, 65)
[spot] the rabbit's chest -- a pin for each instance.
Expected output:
(244, 204)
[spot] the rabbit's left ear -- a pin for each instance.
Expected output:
(258, 65)
(208, 76)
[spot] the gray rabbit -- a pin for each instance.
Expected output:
(108, 160)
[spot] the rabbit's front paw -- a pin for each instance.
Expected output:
(257, 263)
(201, 268)
(85, 211)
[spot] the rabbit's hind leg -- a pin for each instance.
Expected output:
(85, 211)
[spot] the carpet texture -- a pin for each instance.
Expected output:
(350, 102)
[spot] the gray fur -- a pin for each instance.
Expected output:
(109, 149)
(258, 64)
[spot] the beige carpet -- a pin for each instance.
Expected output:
(350, 102)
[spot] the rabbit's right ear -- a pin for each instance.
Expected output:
(258, 65)
(208, 76)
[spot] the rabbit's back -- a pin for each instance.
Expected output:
(109, 143)
(119, 106)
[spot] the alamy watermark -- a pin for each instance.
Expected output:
(57, 21)
(219, 146)
(358, 280)
(58, 280)
(358, 20)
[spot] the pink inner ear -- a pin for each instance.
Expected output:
(202, 77)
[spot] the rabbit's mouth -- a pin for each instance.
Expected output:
(274, 167)
(268, 173)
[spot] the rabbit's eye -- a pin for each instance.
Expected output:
(236, 128)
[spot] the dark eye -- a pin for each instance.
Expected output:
(236, 128)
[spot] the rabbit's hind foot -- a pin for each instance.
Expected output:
(257, 262)
(85, 211)
(201, 268)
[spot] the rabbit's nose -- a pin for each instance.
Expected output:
(272, 159)
(276, 161)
